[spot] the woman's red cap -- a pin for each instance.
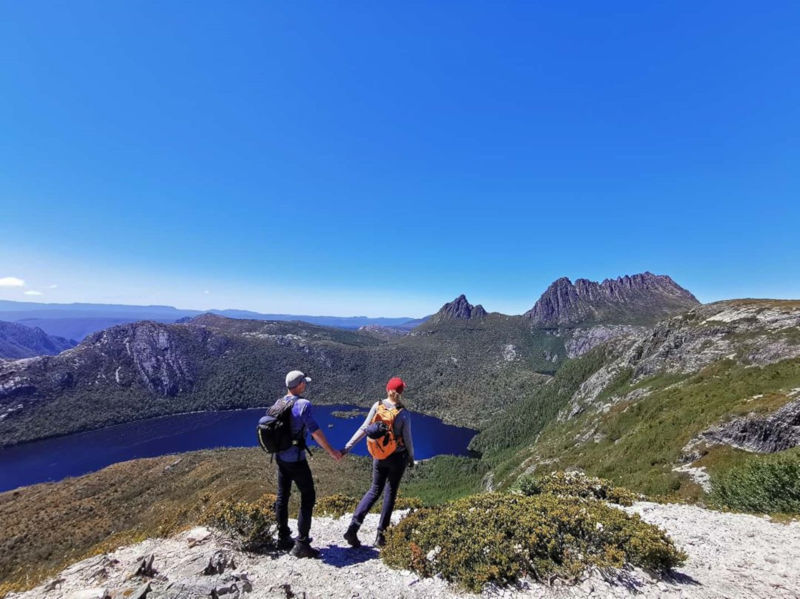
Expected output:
(395, 384)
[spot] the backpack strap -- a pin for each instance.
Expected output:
(300, 441)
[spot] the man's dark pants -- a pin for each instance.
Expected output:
(385, 474)
(299, 473)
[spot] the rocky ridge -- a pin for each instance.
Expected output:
(748, 332)
(730, 555)
(636, 299)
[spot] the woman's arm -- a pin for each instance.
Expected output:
(361, 432)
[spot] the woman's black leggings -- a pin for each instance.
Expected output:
(386, 474)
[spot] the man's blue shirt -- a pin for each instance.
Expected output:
(302, 417)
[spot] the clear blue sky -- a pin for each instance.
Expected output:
(381, 158)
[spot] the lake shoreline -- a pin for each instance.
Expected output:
(57, 457)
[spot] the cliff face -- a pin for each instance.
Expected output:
(19, 341)
(638, 299)
(161, 359)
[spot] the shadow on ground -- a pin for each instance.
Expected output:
(334, 555)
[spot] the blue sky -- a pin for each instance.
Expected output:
(379, 159)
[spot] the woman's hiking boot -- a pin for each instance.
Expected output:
(380, 540)
(304, 549)
(285, 543)
(351, 536)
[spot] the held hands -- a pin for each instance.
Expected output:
(336, 454)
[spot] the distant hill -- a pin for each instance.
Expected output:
(636, 299)
(19, 341)
(76, 321)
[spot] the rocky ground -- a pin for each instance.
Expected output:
(730, 555)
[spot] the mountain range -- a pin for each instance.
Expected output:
(76, 321)
(464, 364)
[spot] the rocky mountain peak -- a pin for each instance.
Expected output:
(460, 309)
(629, 299)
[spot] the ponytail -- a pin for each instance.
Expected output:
(394, 396)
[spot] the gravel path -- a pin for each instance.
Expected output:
(730, 555)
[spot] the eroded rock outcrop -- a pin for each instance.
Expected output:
(763, 434)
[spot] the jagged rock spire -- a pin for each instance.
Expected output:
(460, 309)
(630, 299)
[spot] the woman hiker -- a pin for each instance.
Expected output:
(388, 428)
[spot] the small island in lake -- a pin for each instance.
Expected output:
(354, 413)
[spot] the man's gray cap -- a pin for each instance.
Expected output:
(294, 378)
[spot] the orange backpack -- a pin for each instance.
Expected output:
(385, 445)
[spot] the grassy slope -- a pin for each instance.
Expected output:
(636, 444)
(48, 526)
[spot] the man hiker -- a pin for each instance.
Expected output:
(293, 467)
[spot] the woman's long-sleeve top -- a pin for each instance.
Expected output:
(402, 428)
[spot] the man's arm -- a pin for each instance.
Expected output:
(319, 437)
(312, 427)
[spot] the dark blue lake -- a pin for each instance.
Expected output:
(73, 455)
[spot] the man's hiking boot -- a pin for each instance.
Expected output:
(304, 549)
(380, 540)
(351, 536)
(285, 543)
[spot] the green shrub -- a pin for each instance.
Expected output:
(335, 506)
(763, 484)
(500, 538)
(338, 505)
(253, 524)
(574, 484)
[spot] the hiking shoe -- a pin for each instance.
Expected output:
(380, 540)
(351, 536)
(284, 543)
(302, 549)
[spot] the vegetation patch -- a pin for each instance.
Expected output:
(252, 524)
(574, 484)
(444, 478)
(338, 505)
(502, 538)
(762, 484)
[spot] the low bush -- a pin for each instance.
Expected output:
(500, 538)
(335, 506)
(762, 484)
(574, 484)
(338, 505)
(252, 524)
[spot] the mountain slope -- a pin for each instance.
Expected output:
(637, 299)
(19, 341)
(649, 409)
